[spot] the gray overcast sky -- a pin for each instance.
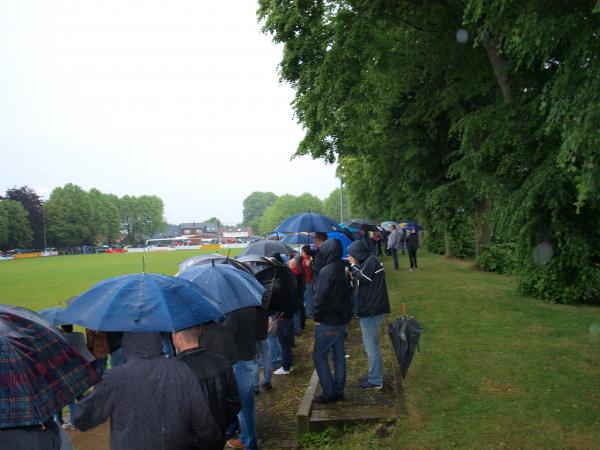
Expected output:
(177, 99)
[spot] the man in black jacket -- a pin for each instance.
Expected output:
(331, 314)
(215, 376)
(373, 305)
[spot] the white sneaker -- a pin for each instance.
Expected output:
(282, 371)
(68, 426)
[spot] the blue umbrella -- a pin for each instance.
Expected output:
(307, 223)
(231, 288)
(298, 238)
(142, 302)
(52, 315)
(344, 239)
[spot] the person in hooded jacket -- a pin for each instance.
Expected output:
(373, 304)
(153, 402)
(331, 315)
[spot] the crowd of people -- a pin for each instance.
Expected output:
(196, 387)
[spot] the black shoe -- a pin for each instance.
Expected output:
(369, 386)
(267, 386)
(321, 399)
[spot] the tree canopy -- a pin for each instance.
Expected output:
(285, 206)
(255, 206)
(15, 231)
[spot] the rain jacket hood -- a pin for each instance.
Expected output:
(141, 345)
(331, 250)
(359, 251)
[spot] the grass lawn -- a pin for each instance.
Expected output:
(496, 369)
(39, 283)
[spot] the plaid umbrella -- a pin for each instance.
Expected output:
(39, 372)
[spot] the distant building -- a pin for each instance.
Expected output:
(231, 233)
(198, 228)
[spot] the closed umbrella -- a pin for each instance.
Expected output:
(231, 289)
(40, 372)
(405, 333)
(142, 302)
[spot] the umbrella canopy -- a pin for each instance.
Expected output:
(357, 224)
(386, 225)
(142, 302)
(307, 223)
(405, 334)
(39, 371)
(266, 248)
(231, 288)
(209, 259)
(52, 315)
(409, 225)
(343, 238)
(299, 239)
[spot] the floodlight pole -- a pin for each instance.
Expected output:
(341, 199)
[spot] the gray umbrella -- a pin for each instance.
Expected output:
(405, 333)
(266, 248)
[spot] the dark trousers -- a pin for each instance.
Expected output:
(330, 338)
(285, 334)
(394, 252)
(412, 256)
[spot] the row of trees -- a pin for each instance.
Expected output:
(73, 217)
(263, 211)
(480, 118)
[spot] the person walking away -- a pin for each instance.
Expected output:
(331, 315)
(373, 304)
(242, 325)
(393, 244)
(151, 401)
(308, 280)
(412, 244)
(215, 378)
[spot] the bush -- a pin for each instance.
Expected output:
(500, 258)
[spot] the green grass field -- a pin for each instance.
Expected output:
(496, 369)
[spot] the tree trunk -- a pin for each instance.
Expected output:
(498, 63)
(421, 219)
(448, 242)
(483, 237)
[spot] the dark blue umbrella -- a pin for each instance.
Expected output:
(357, 224)
(231, 288)
(307, 223)
(267, 248)
(142, 302)
(39, 371)
(298, 238)
(52, 315)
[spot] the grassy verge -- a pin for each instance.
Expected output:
(496, 369)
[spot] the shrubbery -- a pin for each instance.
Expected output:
(501, 258)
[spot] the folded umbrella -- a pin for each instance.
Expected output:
(142, 302)
(405, 333)
(40, 372)
(266, 248)
(307, 223)
(217, 258)
(231, 288)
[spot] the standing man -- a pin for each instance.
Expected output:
(373, 305)
(331, 315)
(215, 378)
(412, 244)
(242, 324)
(318, 262)
(393, 244)
(367, 241)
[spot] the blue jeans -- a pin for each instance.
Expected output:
(330, 338)
(394, 252)
(308, 300)
(59, 417)
(245, 373)
(264, 360)
(274, 350)
(370, 327)
(297, 323)
(285, 333)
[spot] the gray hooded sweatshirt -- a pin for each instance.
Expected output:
(153, 402)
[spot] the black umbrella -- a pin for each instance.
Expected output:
(266, 248)
(405, 334)
(357, 224)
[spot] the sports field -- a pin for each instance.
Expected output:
(38, 283)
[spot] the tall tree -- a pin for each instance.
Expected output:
(214, 220)
(142, 217)
(285, 206)
(332, 205)
(255, 206)
(15, 231)
(32, 202)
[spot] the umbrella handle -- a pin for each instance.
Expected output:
(403, 309)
